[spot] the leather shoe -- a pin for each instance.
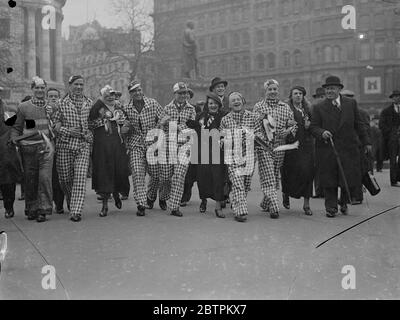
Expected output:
(286, 202)
(32, 216)
(274, 215)
(203, 206)
(124, 197)
(330, 214)
(118, 203)
(176, 213)
(9, 214)
(183, 204)
(307, 211)
(141, 211)
(344, 210)
(76, 218)
(219, 214)
(149, 204)
(223, 204)
(41, 218)
(163, 205)
(60, 211)
(395, 185)
(241, 218)
(104, 212)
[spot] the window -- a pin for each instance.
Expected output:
(271, 61)
(236, 40)
(285, 32)
(365, 53)
(328, 54)
(380, 21)
(397, 55)
(223, 41)
(286, 59)
(236, 65)
(245, 38)
(214, 43)
(364, 23)
(379, 50)
(246, 64)
(337, 52)
(297, 58)
(202, 44)
(224, 66)
(202, 22)
(271, 35)
(260, 61)
(222, 18)
(260, 37)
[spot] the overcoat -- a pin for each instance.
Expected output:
(348, 131)
(10, 171)
(389, 123)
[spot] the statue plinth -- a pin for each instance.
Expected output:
(200, 89)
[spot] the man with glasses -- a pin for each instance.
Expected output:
(74, 140)
(37, 152)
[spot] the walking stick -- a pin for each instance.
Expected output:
(346, 186)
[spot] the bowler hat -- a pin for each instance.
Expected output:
(216, 81)
(395, 93)
(319, 92)
(333, 81)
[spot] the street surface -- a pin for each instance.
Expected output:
(199, 256)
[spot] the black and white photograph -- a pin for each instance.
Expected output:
(199, 155)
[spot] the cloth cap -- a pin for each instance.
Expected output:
(180, 87)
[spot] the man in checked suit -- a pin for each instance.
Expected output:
(74, 143)
(337, 117)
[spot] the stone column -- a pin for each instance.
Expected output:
(45, 55)
(31, 42)
(59, 53)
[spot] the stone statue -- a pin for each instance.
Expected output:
(190, 60)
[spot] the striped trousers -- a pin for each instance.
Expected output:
(72, 167)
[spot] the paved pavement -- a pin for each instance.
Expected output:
(199, 256)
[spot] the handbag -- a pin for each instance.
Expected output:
(371, 184)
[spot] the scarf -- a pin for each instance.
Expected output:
(38, 102)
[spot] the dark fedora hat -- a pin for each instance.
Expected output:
(319, 92)
(394, 93)
(216, 81)
(333, 81)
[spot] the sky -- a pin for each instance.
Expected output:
(77, 12)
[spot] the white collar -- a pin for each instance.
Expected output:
(338, 101)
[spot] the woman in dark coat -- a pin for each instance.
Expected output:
(10, 170)
(210, 177)
(110, 165)
(298, 168)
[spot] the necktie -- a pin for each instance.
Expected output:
(335, 103)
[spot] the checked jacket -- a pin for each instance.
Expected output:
(73, 114)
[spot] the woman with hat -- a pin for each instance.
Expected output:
(218, 86)
(238, 128)
(211, 176)
(280, 119)
(110, 165)
(298, 166)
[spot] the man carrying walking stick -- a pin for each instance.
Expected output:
(337, 126)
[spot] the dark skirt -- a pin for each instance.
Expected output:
(211, 181)
(10, 168)
(298, 173)
(110, 162)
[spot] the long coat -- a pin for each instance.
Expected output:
(211, 178)
(298, 167)
(389, 123)
(348, 130)
(10, 171)
(110, 163)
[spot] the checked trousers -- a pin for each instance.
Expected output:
(240, 188)
(72, 167)
(172, 181)
(268, 180)
(137, 158)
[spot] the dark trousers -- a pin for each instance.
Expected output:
(331, 199)
(38, 166)
(58, 194)
(8, 192)
(190, 178)
(394, 154)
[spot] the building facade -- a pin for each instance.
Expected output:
(103, 56)
(297, 42)
(28, 48)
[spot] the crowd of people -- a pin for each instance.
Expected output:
(305, 149)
